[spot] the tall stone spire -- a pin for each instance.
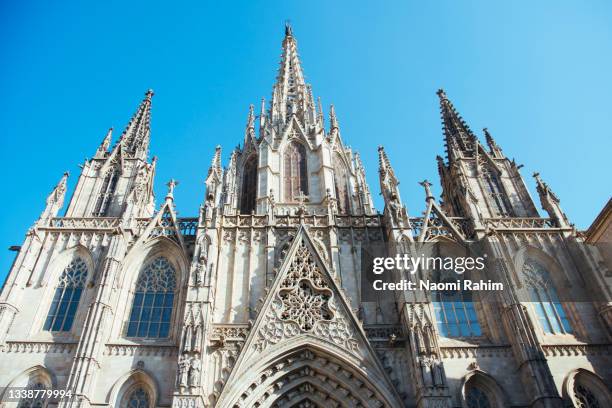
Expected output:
(460, 141)
(290, 93)
(135, 138)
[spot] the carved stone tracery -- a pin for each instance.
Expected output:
(305, 303)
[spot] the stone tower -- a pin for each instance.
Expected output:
(257, 301)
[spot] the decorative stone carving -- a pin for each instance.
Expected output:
(305, 303)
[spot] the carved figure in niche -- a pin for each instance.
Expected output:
(194, 372)
(200, 271)
(183, 366)
(208, 207)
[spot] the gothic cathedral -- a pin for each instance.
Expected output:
(256, 302)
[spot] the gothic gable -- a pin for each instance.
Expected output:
(306, 308)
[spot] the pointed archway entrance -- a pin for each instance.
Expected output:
(306, 348)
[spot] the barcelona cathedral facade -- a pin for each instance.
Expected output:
(256, 301)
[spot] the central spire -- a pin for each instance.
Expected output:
(290, 94)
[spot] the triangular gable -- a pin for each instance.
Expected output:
(305, 303)
(294, 124)
(163, 224)
(434, 218)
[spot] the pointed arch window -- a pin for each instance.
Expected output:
(295, 169)
(248, 195)
(106, 192)
(455, 312)
(543, 295)
(494, 189)
(153, 300)
(341, 185)
(35, 399)
(67, 296)
(475, 397)
(138, 398)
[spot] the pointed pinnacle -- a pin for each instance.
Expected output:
(333, 120)
(288, 29)
(427, 185)
(251, 117)
(171, 185)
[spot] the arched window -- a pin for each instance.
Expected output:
(295, 169)
(153, 300)
(549, 309)
(249, 186)
(585, 398)
(475, 397)
(498, 199)
(67, 296)
(138, 398)
(455, 312)
(34, 399)
(106, 192)
(586, 390)
(341, 185)
(456, 317)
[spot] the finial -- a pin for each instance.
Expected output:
(171, 185)
(333, 120)
(441, 94)
(251, 118)
(427, 185)
(288, 29)
(538, 179)
(149, 94)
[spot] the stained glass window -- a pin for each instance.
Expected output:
(585, 398)
(153, 300)
(455, 314)
(549, 309)
(249, 186)
(138, 398)
(66, 298)
(477, 398)
(295, 168)
(33, 400)
(493, 187)
(106, 193)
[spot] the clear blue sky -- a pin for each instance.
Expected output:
(536, 73)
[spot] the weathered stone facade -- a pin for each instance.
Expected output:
(256, 302)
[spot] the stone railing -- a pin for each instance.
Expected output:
(295, 220)
(90, 223)
(245, 221)
(188, 226)
(435, 227)
(519, 223)
(358, 221)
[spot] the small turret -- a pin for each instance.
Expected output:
(55, 200)
(103, 148)
(550, 203)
